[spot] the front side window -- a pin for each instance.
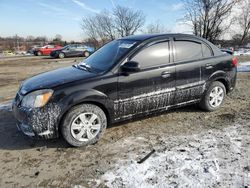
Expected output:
(187, 50)
(73, 47)
(156, 54)
(104, 58)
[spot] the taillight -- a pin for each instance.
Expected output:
(234, 62)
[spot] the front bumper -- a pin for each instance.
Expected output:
(37, 122)
(54, 54)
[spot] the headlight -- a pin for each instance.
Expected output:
(37, 98)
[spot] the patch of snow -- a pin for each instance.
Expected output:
(244, 67)
(245, 63)
(203, 160)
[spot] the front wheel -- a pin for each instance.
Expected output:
(84, 125)
(213, 97)
(61, 55)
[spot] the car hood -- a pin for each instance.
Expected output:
(54, 78)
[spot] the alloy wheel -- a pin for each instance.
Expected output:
(216, 96)
(85, 127)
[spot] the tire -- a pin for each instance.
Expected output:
(61, 55)
(39, 53)
(86, 54)
(83, 125)
(213, 97)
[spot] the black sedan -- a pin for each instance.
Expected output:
(127, 78)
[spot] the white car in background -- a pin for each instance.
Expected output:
(20, 52)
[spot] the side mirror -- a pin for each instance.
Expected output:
(130, 66)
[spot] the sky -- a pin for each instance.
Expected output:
(51, 17)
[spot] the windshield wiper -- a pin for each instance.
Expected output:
(83, 67)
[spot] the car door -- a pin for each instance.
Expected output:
(188, 59)
(48, 49)
(80, 50)
(209, 66)
(71, 51)
(151, 88)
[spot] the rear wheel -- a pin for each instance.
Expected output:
(213, 97)
(86, 54)
(61, 55)
(39, 53)
(84, 125)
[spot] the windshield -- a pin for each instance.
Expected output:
(104, 58)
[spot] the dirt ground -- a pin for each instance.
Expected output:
(14, 70)
(192, 148)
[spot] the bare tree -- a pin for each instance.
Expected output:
(99, 27)
(106, 26)
(208, 16)
(127, 21)
(88, 25)
(58, 37)
(155, 28)
(244, 20)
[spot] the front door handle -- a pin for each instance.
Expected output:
(165, 74)
(209, 66)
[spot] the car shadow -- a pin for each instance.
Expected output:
(47, 57)
(12, 139)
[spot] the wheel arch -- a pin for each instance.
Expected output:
(62, 52)
(224, 82)
(220, 76)
(90, 97)
(99, 104)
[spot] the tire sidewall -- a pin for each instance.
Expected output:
(206, 104)
(86, 54)
(70, 117)
(61, 55)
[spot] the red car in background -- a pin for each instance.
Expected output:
(45, 50)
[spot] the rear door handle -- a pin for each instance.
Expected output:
(209, 66)
(165, 74)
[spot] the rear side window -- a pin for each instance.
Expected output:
(187, 50)
(156, 54)
(207, 52)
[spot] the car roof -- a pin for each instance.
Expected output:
(215, 49)
(151, 36)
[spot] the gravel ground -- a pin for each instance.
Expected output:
(192, 148)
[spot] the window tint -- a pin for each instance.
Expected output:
(187, 50)
(207, 52)
(157, 54)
